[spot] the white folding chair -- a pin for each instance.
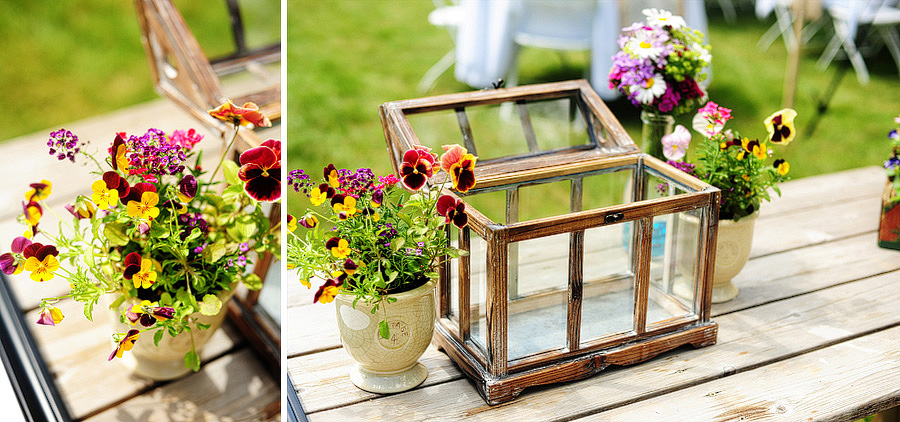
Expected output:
(554, 25)
(873, 16)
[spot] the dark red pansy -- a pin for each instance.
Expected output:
(137, 191)
(462, 173)
(453, 211)
(417, 167)
(331, 175)
(187, 188)
(350, 267)
(132, 264)
(118, 153)
(39, 251)
(261, 171)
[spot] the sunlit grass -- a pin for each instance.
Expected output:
(65, 61)
(346, 58)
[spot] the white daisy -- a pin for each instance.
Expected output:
(660, 17)
(650, 89)
(641, 47)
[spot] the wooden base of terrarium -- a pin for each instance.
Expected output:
(503, 388)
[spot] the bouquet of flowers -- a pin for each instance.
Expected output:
(660, 64)
(371, 237)
(892, 164)
(735, 165)
(152, 231)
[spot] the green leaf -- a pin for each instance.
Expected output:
(117, 302)
(252, 281)
(191, 360)
(115, 233)
(157, 337)
(214, 252)
(211, 305)
(383, 330)
(230, 169)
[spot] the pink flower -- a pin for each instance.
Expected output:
(675, 144)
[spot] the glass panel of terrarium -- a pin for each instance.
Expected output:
(608, 187)
(453, 287)
(546, 199)
(537, 309)
(555, 123)
(608, 294)
(673, 273)
(478, 292)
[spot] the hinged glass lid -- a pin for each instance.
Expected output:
(510, 130)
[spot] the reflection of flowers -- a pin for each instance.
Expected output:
(175, 239)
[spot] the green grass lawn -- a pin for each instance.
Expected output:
(346, 58)
(65, 61)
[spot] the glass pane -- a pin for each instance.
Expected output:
(538, 295)
(269, 301)
(453, 287)
(608, 306)
(506, 130)
(478, 291)
(608, 188)
(673, 272)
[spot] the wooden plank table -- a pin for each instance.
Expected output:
(813, 335)
(232, 383)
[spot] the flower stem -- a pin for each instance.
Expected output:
(225, 153)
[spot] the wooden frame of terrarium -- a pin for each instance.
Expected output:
(513, 313)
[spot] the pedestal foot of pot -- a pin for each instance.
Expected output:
(154, 369)
(392, 382)
(723, 292)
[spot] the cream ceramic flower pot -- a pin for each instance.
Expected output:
(388, 365)
(733, 245)
(166, 361)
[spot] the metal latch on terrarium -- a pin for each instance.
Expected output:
(613, 218)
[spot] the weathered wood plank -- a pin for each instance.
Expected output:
(76, 352)
(314, 329)
(747, 339)
(843, 382)
(322, 379)
(813, 192)
(233, 387)
(812, 226)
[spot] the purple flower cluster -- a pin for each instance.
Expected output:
(683, 166)
(387, 232)
(892, 163)
(241, 261)
(300, 181)
(64, 144)
(155, 153)
(191, 220)
(356, 182)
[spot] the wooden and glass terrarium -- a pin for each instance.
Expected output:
(582, 252)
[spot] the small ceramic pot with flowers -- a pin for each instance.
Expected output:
(374, 244)
(889, 224)
(158, 234)
(739, 167)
